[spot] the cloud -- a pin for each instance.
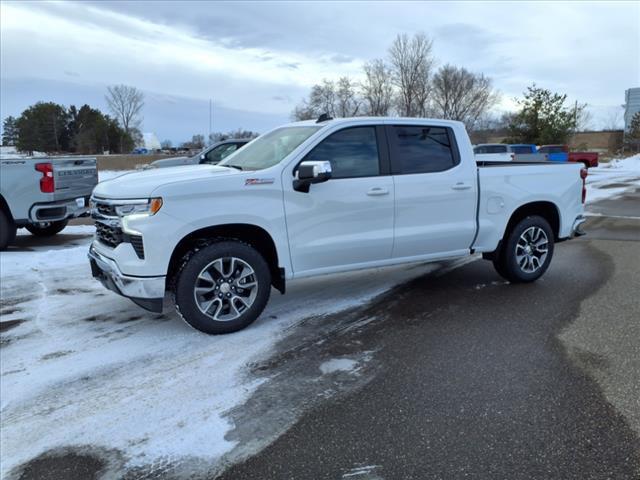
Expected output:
(248, 55)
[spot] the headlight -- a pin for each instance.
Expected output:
(147, 206)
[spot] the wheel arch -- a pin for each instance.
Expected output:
(545, 209)
(253, 235)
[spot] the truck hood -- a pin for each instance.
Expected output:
(175, 161)
(142, 183)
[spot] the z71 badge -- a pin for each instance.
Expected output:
(258, 181)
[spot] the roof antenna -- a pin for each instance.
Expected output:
(324, 117)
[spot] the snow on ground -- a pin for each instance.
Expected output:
(612, 179)
(87, 367)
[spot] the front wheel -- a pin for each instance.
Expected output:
(46, 229)
(223, 287)
(526, 251)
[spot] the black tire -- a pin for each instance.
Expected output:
(46, 229)
(528, 269)
(7, 230)
(190, 277)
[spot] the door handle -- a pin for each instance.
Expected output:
(377, 191)
(461, 186)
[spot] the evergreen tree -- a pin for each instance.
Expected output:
(9, 131)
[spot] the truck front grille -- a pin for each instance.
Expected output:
(109, 235)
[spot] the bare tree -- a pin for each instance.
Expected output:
(614, 119)
(347, 101)
(459, 94)
(377, 88)
(126, 104)
(337, 100)
(411, 65)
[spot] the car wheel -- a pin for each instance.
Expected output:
(527, 251)
(223, 288)
(7, 230)
(46, 229)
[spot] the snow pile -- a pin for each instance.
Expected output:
(627, 164)
(612, 179)
(87, 367)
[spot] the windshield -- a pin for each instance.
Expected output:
(269, 149)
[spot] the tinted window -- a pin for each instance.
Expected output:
(353, 152)
(520, 149)
(421, 149)
(219, 153)
(490, 149)
(557, 149)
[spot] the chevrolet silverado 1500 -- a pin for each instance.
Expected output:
(42, 194)
(312, 198)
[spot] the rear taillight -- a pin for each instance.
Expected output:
(47, 183)
(583, 176)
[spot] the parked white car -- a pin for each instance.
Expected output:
(311, 198)
(500, 152)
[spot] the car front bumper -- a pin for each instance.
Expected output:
(147, 292)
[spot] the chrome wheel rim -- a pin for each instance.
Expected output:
(225, 289)
(532, 249)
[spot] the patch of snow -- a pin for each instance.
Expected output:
(338, 365)
(623, 171)
(88, 367)
(363, 470)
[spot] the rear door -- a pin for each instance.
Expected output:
(436, 195)
(348, 220)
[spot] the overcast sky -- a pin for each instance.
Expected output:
(258, 59)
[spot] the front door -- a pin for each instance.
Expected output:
(346, 221)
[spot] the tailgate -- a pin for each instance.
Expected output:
(74, 177)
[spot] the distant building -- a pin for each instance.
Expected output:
(631, 105)
(150, 142)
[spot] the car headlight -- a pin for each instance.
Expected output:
(142, 207)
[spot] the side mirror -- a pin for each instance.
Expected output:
(311, 172)
(202, 157)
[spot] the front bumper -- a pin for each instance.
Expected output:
(147, 292)
(61, 210)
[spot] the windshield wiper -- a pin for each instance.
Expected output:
(233, 166)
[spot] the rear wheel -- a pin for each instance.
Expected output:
(7, 230)
(527, 251)
(223, 287)
(46, 229)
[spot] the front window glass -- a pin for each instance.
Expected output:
(270, 148)
(353, 152)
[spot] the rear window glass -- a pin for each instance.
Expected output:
(421, 149)
(551, 150)
(520, 149)
(490, 149)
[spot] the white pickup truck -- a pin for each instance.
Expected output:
(41, 194)
(313, 198)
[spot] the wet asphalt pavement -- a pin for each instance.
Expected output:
(475, 383)
(459, 376)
